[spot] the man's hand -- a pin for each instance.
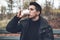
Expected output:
(19, 14)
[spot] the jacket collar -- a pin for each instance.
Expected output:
(43, 23)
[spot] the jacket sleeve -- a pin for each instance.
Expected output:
(48, 35)
(13, 25)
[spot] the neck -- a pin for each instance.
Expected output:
(36, 18)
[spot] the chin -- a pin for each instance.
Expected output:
(30, 17)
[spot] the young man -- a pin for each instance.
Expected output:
(34, 27)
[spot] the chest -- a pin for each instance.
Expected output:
(33, 26)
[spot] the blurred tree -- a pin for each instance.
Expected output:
(3, 10)
(33, 0)
(48, 8)
(10, 2)
(59, 7)
(10, 8)
(26, 5)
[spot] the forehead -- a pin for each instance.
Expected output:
(32, 6)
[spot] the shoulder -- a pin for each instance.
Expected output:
(43, 20)
(44, 23)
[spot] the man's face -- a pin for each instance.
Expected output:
(33, 12)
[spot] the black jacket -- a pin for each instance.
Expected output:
(17, 25)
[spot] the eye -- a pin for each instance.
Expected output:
(31, 9)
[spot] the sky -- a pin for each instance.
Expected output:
(41, 2)
(56, 2)
(3, 2)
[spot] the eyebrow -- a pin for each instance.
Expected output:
(30, 8)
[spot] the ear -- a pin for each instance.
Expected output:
(38, 12)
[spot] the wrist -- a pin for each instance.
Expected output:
(17, 17)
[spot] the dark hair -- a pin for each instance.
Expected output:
(38, 7)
